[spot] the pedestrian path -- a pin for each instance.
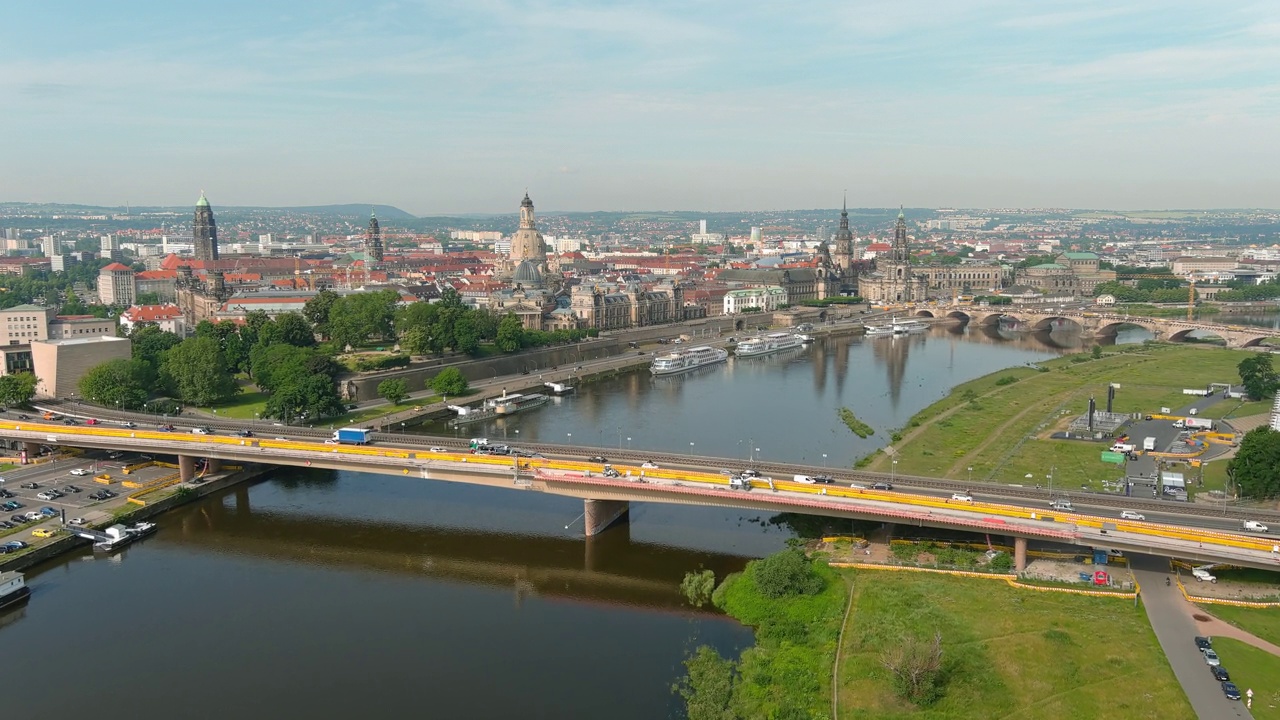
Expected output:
(1175, 629)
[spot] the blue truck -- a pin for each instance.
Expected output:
(353, 436)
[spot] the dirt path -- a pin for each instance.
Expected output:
(914, 432)
(992, 436)
(835, 666)
(1210, 626)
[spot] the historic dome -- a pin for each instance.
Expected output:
(527, 274)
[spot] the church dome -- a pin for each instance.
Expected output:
(527, 274)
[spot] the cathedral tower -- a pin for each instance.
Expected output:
(527, 242)
(373, 239)
(842, 255)
(205, 231)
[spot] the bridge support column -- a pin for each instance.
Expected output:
(214, 465)
(1019, 554)
(31, 450)
(600, 514)
(186, 467)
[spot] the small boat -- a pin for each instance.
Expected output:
(879, 330)
(13, 589)
(119, 536)
(515, 402)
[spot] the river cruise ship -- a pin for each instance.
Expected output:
(682, 360)
(766, 344)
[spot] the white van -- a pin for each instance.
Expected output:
(1132, 515)
(962, 497)
(1061, 505)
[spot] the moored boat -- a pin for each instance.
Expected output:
(682, 360)
(13, 589)
(766, 344)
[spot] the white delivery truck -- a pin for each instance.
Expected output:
(1254, 526)
(1149, 444)
(1123, 448)
(1195, 423)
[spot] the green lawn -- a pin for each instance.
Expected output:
(1008, 653)
(1236, 409)
(243, 406)
(1265, 623)
(1256, 669)
(1008, 415)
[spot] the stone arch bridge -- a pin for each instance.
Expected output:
(1102, 324)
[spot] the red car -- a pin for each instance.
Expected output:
(90, 421)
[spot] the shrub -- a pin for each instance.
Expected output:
(1007, 380)
(380, 362)
(1002, 563)
(785, 573)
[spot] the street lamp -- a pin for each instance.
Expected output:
(690, 447)
(824, 461)
(893, 470)
(970, 474)
(628, 442)
(570, 438)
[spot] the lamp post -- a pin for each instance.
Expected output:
(893, 470)
(628, 442)
(570, 438)
(619, 437)
(970, 474)
(824, 461)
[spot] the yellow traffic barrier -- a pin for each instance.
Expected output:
(130, 469)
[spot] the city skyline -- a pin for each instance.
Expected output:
(439, 108)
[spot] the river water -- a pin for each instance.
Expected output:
(326, 594)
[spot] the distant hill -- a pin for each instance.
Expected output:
(388, 212)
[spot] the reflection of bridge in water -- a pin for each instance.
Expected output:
(609, 568)
(1102, 324)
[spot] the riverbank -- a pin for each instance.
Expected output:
(127, 513)
(997, 428)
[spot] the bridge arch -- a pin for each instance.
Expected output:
(924, 314)
(1046, 323)
(994, 318)
(1255, 341)
(960, 315)
(1184, 335)
(1111, 329)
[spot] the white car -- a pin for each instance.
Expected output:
(437, 450)
(962, 497)
(79, 472)
(77, 521)
(1203, 576)
(48, 495)
(1211, 658)
(649, 466)
(199, 431)
(330, 442)
(1132, 515)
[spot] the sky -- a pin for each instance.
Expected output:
(443, 106)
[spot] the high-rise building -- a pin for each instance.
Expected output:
(111, 248)
(116, 285)
(702, 227)
(205, 231)
(373, 239)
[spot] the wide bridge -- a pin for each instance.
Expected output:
(567, 471)
(1100, 324)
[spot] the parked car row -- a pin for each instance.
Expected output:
(1205, 646)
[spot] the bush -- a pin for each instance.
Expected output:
(1002, 563)
(369, 363)
(450, 381)
(1007, 380)
(785, 573)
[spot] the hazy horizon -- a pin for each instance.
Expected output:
(456, 108)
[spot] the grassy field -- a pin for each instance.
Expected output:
(1008, 653)
(244, 406)
(1265, 623)
(1256, 669)
(1016, 418)
(1237, 408)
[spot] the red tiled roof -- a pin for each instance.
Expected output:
(152, 313)
(157, 275)
(117, 267)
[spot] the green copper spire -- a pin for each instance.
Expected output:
(203, 201)
(901, 216)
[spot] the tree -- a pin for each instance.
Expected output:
(304, 397)
(787, 572)
(317, 311)
(698, 587)
(450, 381)
(150, 344)
(510, 334)
(199, 373)
(17, 388)
(916, 668)
(417, 341)
(148, 298)
(1258, 376)
(1255, 469)
(355, 318)
(274, 366)
(294, 329)
(393, 391)
(707, 687)
(1097, 352)
(118, 383)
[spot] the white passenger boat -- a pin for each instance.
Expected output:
(879, 330)
(902, 327)
(766, 344)
(682, 360)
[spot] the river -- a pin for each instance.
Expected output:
(326, 594)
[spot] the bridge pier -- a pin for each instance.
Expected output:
(1019, 554)
(186, 468)
(214, 465)
(600, 514)
(31, 450)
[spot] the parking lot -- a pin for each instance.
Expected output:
(86, 489)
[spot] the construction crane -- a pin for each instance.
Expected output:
(1191, 288)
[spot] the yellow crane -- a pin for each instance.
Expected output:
(1191, 288)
